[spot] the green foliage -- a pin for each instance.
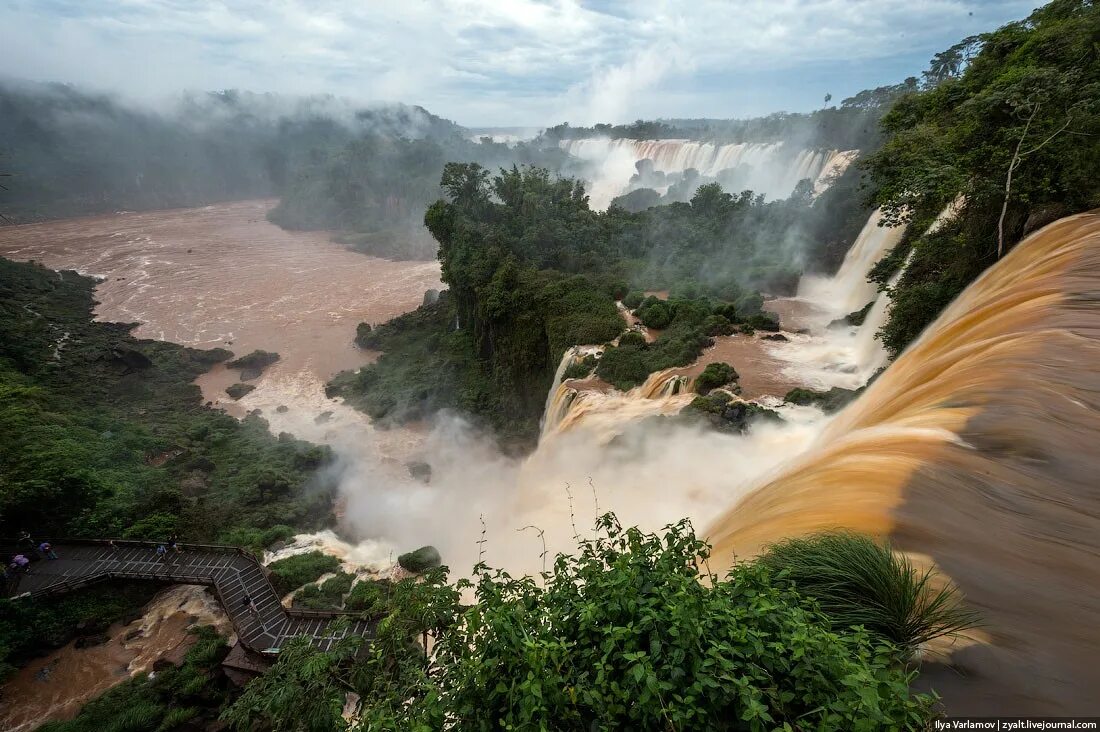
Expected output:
(633, 299)
(860, 583)
(306, 688)
(714, 376)
(369, 597)
(292, 572)
(191, 693)
(106, 435)
(374, 188)
(655, 315)
(583, 368)
(628, 633)
(749, 305)
(689, 331)
(1029, 99)
(626, 636)
(329, 595)
(257, 540)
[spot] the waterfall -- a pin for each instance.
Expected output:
(848, 290)
(772, 168)
(605, 411)
(976, 450)
(870, 353)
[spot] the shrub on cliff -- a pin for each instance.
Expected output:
(633, 299)
(292, 572)
(714, 376)
(655, 315)
(749, 305)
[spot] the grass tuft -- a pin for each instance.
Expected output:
(857, 581)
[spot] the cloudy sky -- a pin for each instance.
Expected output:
(497, 62)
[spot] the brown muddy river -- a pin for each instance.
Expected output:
(218, 276)
(222, 276)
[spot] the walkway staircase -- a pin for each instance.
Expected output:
(233, 573)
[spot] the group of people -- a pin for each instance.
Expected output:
(27, 551)
(165, 551)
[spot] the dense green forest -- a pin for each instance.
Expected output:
(851, 125)
(1010, 122)
(532, 270)
(71, 152)
(106, 435)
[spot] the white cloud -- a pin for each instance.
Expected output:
(481, 61)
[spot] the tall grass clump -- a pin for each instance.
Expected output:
(857, 581)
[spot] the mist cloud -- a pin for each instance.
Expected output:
(496, 63)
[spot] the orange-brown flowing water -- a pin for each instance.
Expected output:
(56, 686)
(977, 448)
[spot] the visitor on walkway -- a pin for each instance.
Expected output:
(27, 544)
(162, 552)
(250, 605)
(46, 548)
(20, 563)
(173, 543)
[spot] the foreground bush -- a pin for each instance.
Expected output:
(622, 636)
(625, 636)
(859, 582)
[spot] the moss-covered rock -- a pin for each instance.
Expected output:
(724, 414)
(829, 401)
(420, 560)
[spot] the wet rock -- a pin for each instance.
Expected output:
(323, 417)
(135, 633)
(162, 664)
(420, 560)
(87, 641)
(282, 409)
(724, 413)
(431, 297)
(775, 337)
(251, 373)
(854, 318)
(238, 390)
(420, 470)
(829, 401)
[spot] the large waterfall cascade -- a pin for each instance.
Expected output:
(976, 448)
(770, 168)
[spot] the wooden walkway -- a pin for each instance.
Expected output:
(232, 573)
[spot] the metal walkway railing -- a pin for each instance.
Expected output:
(233, 573)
